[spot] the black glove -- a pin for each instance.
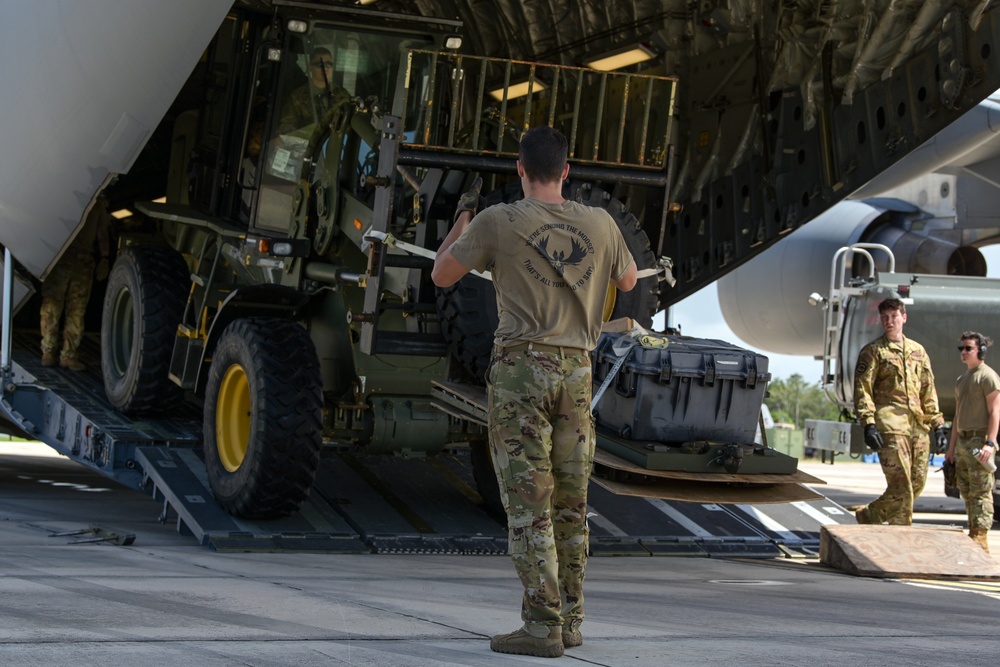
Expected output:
(873, 438)
(469, 201)
(950, 479)
(941, 439)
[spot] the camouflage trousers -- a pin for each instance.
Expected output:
(66, 290)
(975, 483)
(542, 442)
(904, 462)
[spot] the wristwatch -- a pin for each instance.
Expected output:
(990, 443)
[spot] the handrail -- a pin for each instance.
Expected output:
(8, 298)
(598, 134)
(834, 313)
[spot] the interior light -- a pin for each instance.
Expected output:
(296, 25)
(453, 42)
(121, 214)
(518, 90)
(630, 55)
(365, 2)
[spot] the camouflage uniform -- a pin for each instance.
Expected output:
(894, 389)
(975, 483)
(972, 424)
(66, 290)
(306, 105)
(544, 468)
(551, 265)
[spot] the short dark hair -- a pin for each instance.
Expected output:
(982, 341)
(543, 154)
(892, 304)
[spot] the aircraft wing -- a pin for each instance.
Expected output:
(85, 83)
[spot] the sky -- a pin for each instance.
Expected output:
(699, 315)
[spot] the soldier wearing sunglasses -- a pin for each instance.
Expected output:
(974, 434)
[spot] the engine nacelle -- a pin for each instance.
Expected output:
(766, 301)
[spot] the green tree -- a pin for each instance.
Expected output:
(793, 401)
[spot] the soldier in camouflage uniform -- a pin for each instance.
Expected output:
(895, 400)
(66, 290)
(977, 417)
(552, 261)
(308, 103)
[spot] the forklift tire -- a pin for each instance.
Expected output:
(144, 303)
(469, 319)
(486, 480)
(468, 309)
(263, 418)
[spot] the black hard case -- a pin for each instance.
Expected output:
(692, 390)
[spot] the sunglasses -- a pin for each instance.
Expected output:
(966, 348)
(325, 64)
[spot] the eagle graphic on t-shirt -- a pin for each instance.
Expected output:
(558, 259)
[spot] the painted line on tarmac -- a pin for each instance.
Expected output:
(768, 522)
(806, 508)
(990, 590)
(605, 523)
(676, 515)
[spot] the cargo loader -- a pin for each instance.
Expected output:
(269, 351)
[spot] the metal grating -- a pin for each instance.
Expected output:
(609, 118)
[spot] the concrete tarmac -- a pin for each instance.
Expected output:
(164, 600)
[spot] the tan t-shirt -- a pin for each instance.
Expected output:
(971, 390)
(551, 265)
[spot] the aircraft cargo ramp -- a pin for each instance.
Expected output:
(370, 504)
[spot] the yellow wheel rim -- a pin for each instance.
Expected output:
(232, 418)
(609, 303)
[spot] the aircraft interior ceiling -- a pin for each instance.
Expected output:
(783, 108)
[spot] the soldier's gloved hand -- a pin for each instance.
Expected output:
(873, 438)
(101, 272)
(469, 201)
(941, 439)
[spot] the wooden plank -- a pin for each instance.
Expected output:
(708, 492)
(608, 459)
(924, 552)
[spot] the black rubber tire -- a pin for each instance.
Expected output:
(144, 303)
(469, 319)
(270, 411)
(468, 309)
(486, 480)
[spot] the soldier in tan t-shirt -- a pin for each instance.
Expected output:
(552, 261)
(977, 417)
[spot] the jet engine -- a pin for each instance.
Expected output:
(766, 301)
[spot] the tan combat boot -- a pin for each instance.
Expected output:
(978, 536)
(538, 640)
(48, 359)
(861, 514)
(72, 364)
(571, 638)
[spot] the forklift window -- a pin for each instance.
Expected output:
(322, 75)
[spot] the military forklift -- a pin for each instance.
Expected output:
(270, 299)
